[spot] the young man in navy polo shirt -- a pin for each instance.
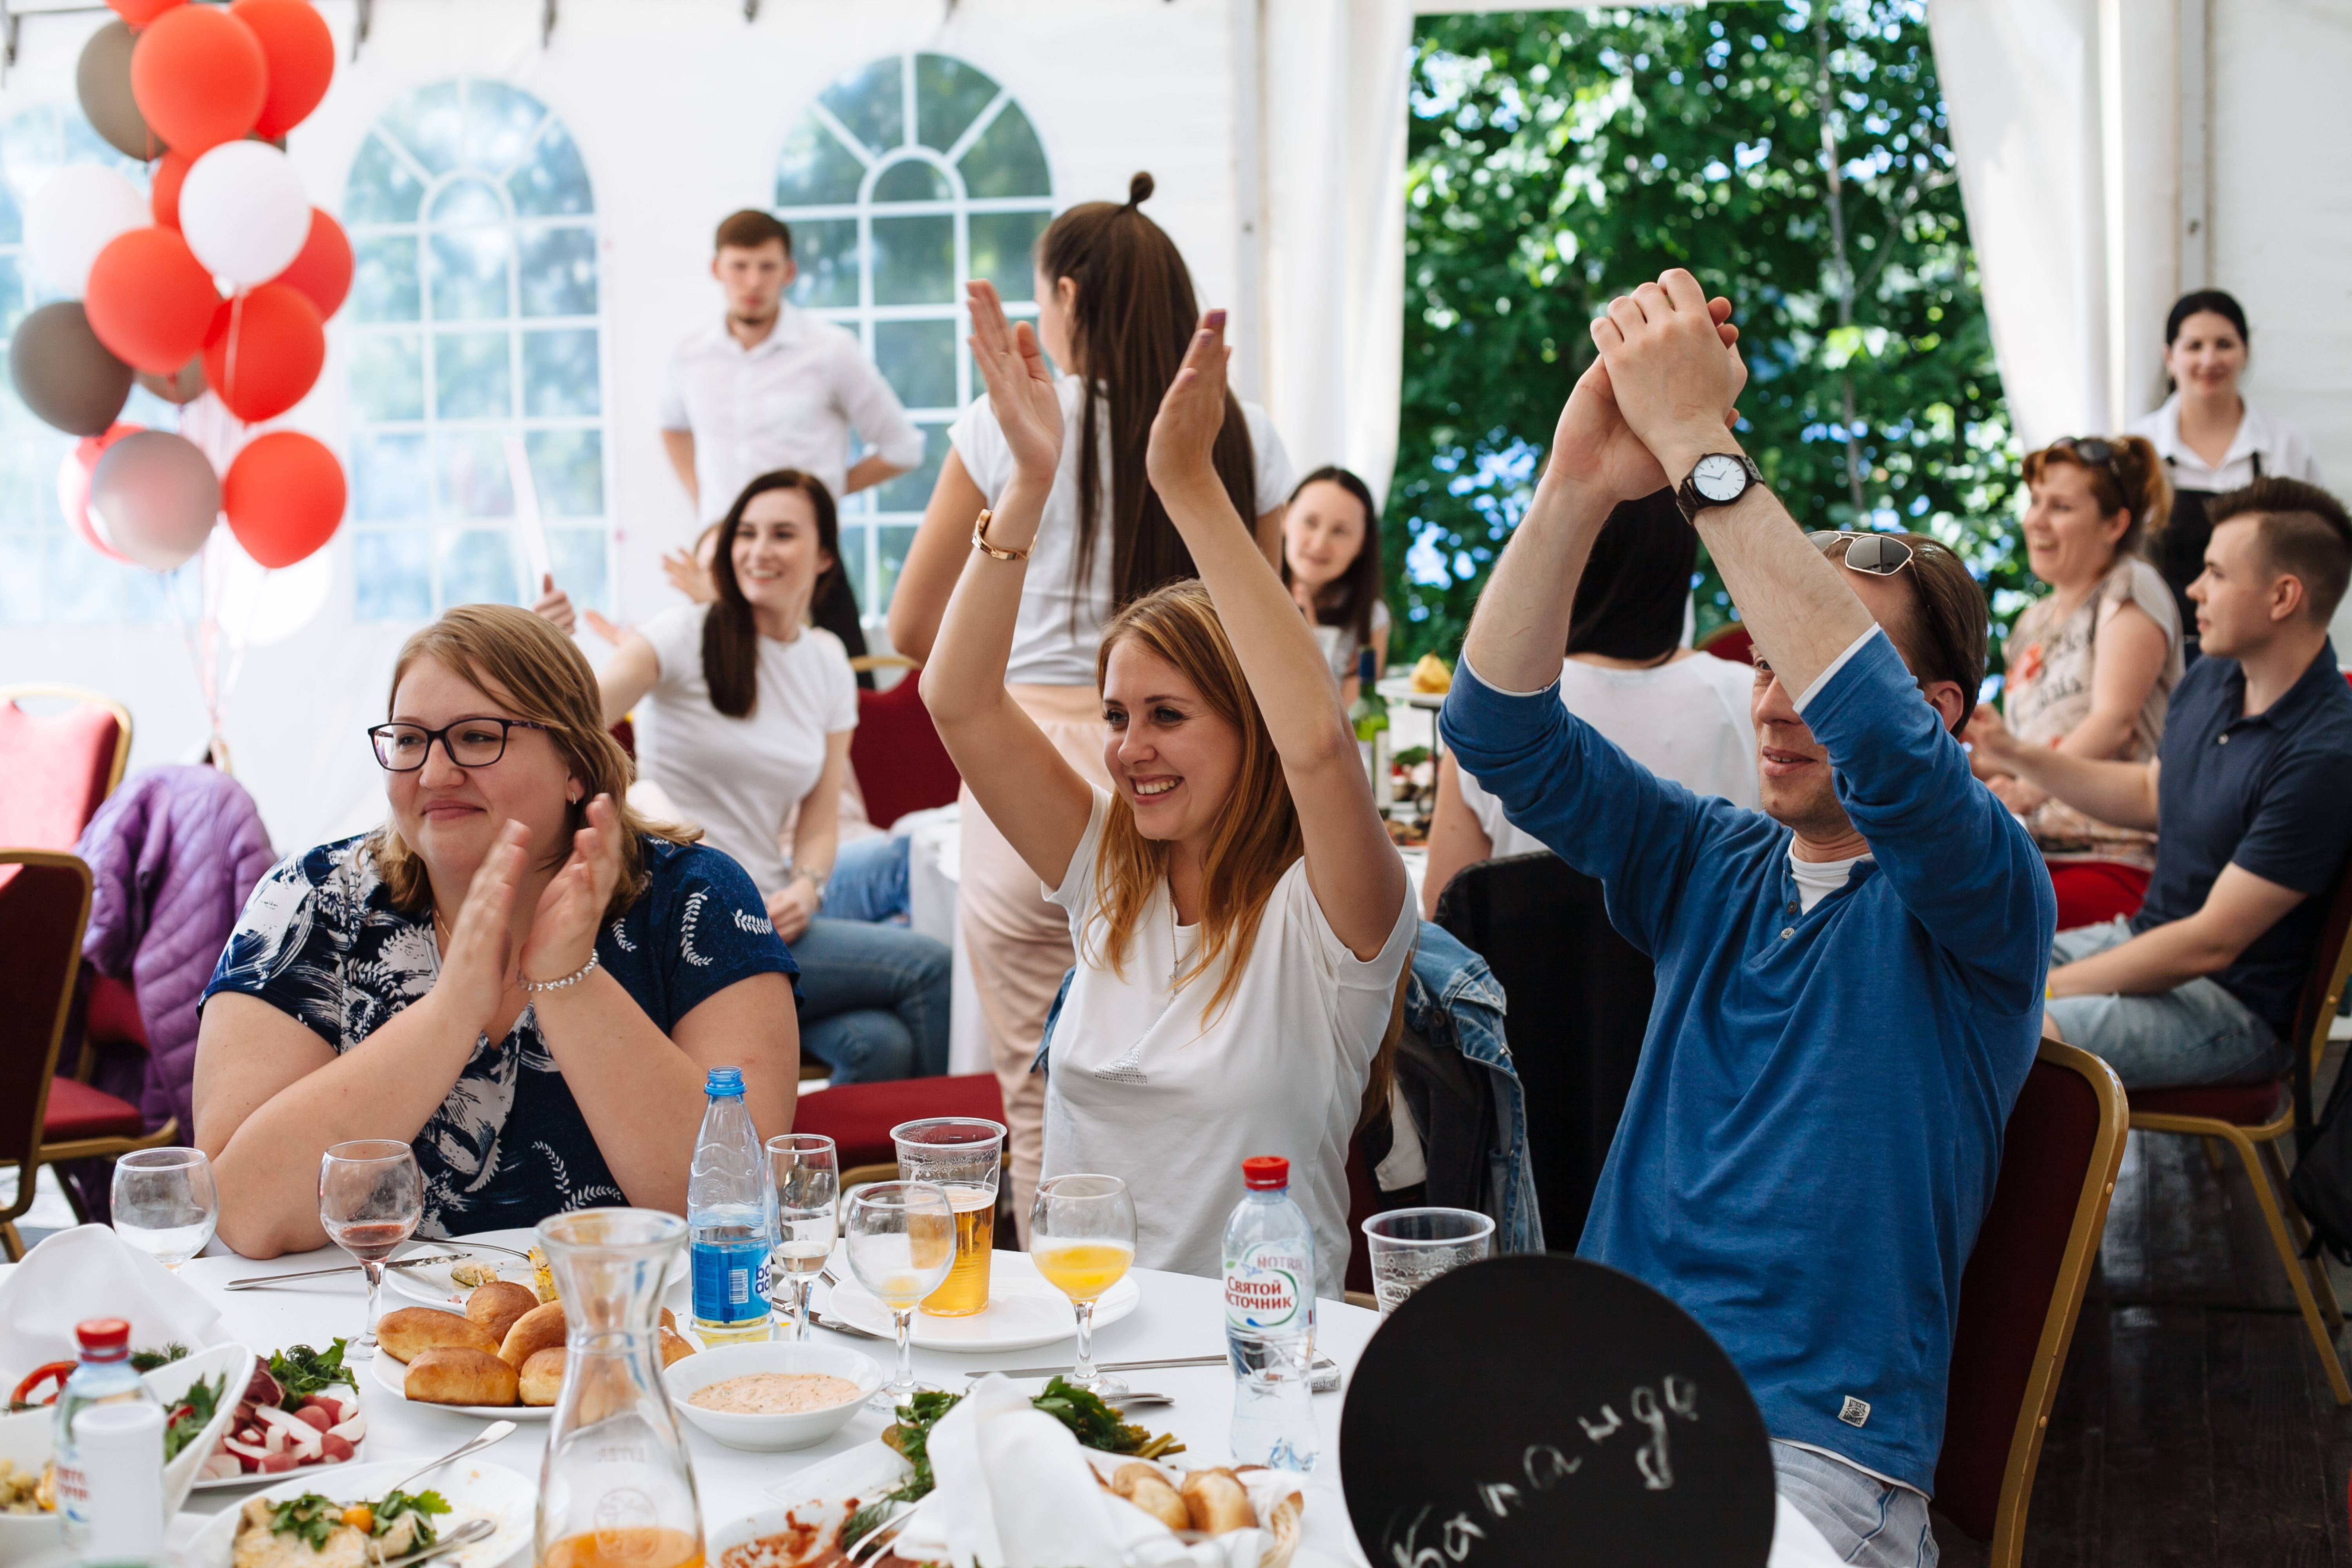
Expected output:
(1849, 982)
(2252, 820)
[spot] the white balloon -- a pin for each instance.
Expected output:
(255, 606)
(243, 212)
(73, 215)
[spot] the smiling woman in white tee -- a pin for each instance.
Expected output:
(743, 711)
(1239, 914)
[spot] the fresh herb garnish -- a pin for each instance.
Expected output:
(193, 1414)
(310, 1516)
(1097, 1425)
(301, 1372)
(423, 1505)
(148, 1361)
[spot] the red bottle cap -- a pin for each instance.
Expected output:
(1264, 1173)
(103, 1335)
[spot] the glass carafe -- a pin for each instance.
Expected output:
(615, 1491)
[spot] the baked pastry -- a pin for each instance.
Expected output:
(408, 1333)
(675, 1346)
(543, 1376)
(540, 1329)
(1215, 1502)
(459, 1376)
(1149, 1490)
(498, 1304)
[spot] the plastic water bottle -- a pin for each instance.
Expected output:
(1270, 1320)
(728, 1214)
(104, 1378)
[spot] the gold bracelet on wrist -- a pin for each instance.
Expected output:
(980, 541)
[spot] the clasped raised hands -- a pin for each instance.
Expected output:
(1668, 375)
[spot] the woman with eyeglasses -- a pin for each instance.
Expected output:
(514, 975)
(2092, 663)
(2210, 438)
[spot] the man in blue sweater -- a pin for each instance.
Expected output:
(1849, 982)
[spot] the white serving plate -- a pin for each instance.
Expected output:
(432, 1284)
(1023, 1311)
(241, 1480)
(392, 1376)
(471, 1488)
(771, 1433)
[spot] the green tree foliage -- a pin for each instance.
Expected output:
(1559, 158)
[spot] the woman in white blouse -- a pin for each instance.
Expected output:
(744, 711)
(1114, 311)
(1331, 565)
(2210, 438)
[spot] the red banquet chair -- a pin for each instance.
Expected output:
(901, 764)
(858, 1117)
(58, 768)
(1733, 643)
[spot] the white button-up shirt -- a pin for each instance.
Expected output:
(788, 403)
(2285, 454)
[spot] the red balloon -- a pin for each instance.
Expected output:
(164, 191)
(323, 268)
(283, 496)
(150, 299)
(138, 13)
(73, 488)
(301, 55)
(200, 77)
(264, 351)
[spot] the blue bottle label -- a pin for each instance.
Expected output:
(726, 1283)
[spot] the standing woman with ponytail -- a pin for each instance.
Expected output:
(1115, 312)
(2093, 662)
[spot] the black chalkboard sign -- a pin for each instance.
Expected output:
(1543, 1410)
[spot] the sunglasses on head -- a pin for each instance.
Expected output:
(1875, 554)
(2090, 449)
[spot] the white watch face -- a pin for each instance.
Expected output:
(1719, 477)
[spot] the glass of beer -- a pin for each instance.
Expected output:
(1082, 1238)
(964, 1155)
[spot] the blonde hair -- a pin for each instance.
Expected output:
(1257, 835)
(548, 681)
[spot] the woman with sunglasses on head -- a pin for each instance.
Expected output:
(1331, 565)
(515, 974)
(744, 709)
(1239, 915)
(2210, 438)
(2092, 663)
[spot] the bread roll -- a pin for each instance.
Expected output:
(1215, 1502)
(407, 1333)
(669, 1320)
(498, 1304)
(1147, 1490)
(675, 1346)
(540, 1329)
(542, 1375)
(447, 1376)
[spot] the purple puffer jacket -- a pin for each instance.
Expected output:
(173, 853)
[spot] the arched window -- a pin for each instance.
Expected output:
(49, 577)
(901, 181)
(474, 333)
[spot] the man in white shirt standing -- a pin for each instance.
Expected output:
(773, 387)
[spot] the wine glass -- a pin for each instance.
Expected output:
(370, 1195)
(901, 1240)
(164, 1203)
(1082, 1239)
(807, 1169)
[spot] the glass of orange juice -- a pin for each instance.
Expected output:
(1082, 1239)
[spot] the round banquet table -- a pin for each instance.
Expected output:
(1179, 1315)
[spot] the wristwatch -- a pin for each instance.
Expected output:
(1719, 478)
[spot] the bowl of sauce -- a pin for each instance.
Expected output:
(768, 1395)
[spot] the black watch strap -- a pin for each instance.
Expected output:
(1692, 500)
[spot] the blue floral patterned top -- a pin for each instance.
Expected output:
(321, 941)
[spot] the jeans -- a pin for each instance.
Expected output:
(2193, 1034)
(874, 1000)
(1864, 1519)
(869, 880)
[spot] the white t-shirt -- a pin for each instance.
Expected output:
(2286, 453)
(1687, 720)
(1139, 1088)
(1049, 647)
(1338, 643)
(739, 778)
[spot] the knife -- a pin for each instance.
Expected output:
(1326, 1371)
(340, 1269)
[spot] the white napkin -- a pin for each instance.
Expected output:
(1012, 1490)
(90, 1272)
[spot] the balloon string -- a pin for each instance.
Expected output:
(235, 330)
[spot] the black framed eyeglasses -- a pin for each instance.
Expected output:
(469, 742)
(1875, 554)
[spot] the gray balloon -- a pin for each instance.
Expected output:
(64, 373)
(157, 496)
(102, 80)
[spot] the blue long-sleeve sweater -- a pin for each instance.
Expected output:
(1815, 1125)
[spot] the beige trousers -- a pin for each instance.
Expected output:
(1018, 943)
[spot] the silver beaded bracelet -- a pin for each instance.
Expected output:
(582, 973)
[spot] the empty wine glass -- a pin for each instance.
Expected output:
(1082, 1239)
(807, 1169)
(164, 1203)
(370, 1195)
(901, 1240)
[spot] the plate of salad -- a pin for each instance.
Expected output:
(351, 1516)
(300, 1409)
